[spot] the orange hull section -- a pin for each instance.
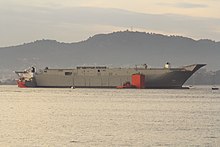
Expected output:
(138, 80)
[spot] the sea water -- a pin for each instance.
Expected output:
(109, 117)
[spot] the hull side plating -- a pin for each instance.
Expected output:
(99, 77)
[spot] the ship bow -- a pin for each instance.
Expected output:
(193, 67)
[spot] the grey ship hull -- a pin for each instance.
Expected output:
(101, 77)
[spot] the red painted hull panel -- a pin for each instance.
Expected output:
(21, 84)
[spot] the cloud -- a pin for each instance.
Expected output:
(123, 18)
(190, 5)
(184, 5)
(70, 23)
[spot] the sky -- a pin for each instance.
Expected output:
(24, 21)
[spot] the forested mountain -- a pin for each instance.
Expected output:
(125, 49)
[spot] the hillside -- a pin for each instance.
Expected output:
(115, 49)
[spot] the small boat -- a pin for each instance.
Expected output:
(215, 88)
(126, 85)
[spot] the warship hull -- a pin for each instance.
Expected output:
(103, 77)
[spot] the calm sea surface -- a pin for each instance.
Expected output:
(109, 117)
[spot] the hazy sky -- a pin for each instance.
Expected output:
(75, 20)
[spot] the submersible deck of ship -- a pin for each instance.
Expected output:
(104, 77)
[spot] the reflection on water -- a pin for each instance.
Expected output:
(109, 117)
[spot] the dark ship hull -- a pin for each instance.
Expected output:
(103, 77)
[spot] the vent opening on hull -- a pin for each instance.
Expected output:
(68, 73)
